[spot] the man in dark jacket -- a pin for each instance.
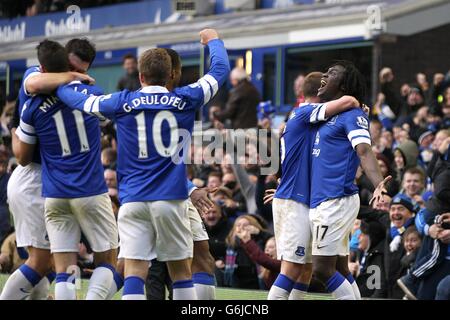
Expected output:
(130, 80)
(371, 243)
(241, 108)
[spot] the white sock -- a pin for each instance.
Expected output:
(134, 297)
(65, 291)
(205, 292)
(184, 290)
(100, 283)
(281, 288)
(117, 284)
(352, 281)
(299, 291)
(40, 291)
(340, 288)
(204, 284)
(20, 284)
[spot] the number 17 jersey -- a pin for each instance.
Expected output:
(70, 145)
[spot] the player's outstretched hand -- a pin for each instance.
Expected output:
(268, 195)
(206, 35)
(201, 201)
(85, 78)
(380, 191)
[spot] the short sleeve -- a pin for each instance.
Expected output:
(356, 126)
(29, 73)
(310, 113)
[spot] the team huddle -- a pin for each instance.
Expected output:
(58, 192)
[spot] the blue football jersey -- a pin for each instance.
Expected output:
(152, 125)
(23, 96)
(334, 159)
(296, 144)
(70, 145)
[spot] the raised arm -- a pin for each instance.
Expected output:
(220, 66)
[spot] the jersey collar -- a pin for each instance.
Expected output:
(154, 89)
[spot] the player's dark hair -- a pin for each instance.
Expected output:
(129, 56)
(155, 66)
(174, 58)
(353, 83)
(311, 84)
(82, 48)
(52, 56)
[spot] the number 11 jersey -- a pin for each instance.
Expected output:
(70, 145)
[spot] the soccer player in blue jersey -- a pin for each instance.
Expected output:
(340, 145)
(203, 262)
(292, 198)
(153, 220)
(25, 192)
(72, 181)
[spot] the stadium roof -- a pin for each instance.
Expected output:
(261, 28)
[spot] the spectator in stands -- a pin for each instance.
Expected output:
(238, 201)
(441, 135)
(241, 108)
(371, 259)
(411, 242)
(267, 259)
(130, 80)
(240, 271)
(110, 178)
(413, 185)
(399, 218)
(405, 156)
(218, 226)
(433, 221)
(214, 180)
(390, 98)
(109, 157)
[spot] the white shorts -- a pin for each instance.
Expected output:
(67, 218)
(155, 229)
(27, 206)
(292, 231)
(332, 222)
(198, 228)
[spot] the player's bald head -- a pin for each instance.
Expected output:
(155, 67)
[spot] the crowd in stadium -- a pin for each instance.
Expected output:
(406, 238)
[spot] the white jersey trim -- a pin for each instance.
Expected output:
(24, 137)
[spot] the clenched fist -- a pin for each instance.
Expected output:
(207, 35)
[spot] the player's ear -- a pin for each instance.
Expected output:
(141, 78)
(42, 69)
